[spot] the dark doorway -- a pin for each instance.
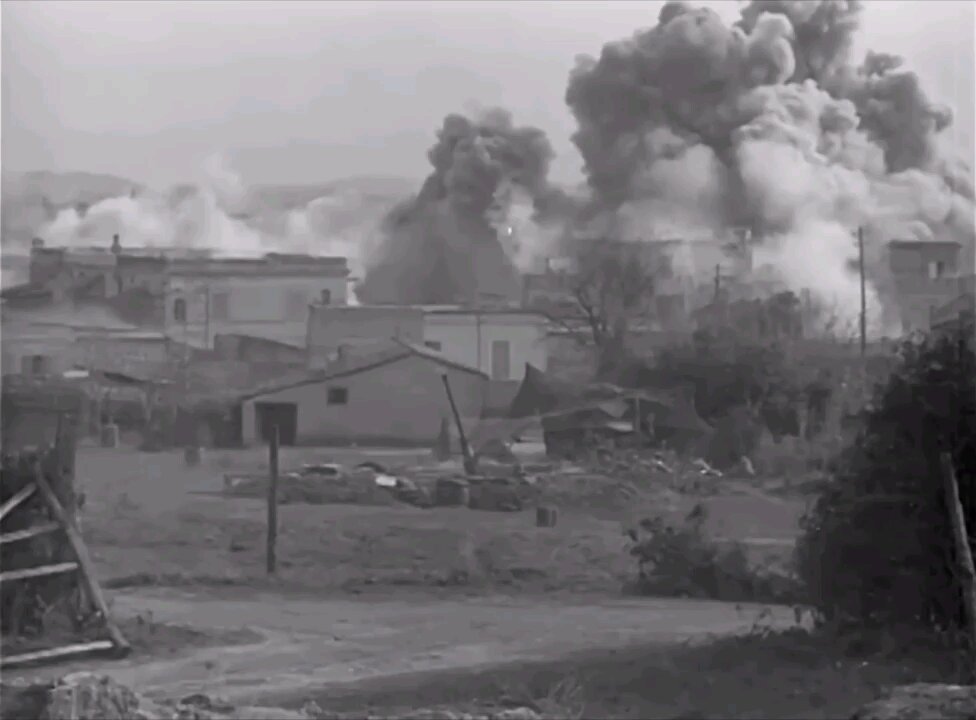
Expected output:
(285, 415)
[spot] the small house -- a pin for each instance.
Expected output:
(390, 393)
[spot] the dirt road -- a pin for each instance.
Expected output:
(312, 644)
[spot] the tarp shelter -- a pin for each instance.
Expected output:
(673, 410)
(539, 394)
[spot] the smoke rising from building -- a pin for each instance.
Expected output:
(449, 242)
(217, 213)
(767, 124)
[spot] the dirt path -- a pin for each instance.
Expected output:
(312, 644)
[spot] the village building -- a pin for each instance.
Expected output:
(960, 312)
(333, 327)
(388, 393)
(500, 342)
(52, 339)
(267, 297)
(189, 294)
(925, 277)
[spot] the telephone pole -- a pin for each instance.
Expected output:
(864, 302)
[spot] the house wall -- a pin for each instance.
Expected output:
(917, 292)
(56, 349)
(272, 307)
(468, 337)
(401, 402)
(261, 350)
(23, 337)
(330, 327)
(142, 355)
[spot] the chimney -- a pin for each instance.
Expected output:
(116, 244)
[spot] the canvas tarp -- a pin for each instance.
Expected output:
(542, 394)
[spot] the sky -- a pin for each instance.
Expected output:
(302, 92)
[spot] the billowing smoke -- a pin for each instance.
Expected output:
(217, 213)
(472, 220)
(696, 126)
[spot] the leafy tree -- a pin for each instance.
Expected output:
(877, 550)
(614, 286)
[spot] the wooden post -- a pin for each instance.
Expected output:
(964, 555)
(470, 466)
(272, 500)
(864, 300)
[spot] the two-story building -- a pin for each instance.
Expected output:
(924, 278)
(267, 297)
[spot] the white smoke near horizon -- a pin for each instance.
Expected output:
(218, 213)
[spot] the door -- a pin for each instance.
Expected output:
(283, 415)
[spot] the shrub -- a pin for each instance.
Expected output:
(876, 550)
(680, 560)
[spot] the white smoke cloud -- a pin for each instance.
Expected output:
(213, 214)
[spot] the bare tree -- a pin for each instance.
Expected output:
(614, 285)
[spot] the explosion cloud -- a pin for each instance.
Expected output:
(445, 244)
(768, 125)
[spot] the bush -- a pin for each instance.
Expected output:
(876, 550)
(682, 561)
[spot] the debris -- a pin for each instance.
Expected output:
(746, 467)
(87, 696)
(386, 481)
(922, 700)
(705, 469)
(661, 466)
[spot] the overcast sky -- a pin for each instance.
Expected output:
(311, 91)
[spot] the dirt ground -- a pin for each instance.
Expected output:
(150, 520)
(396, 607)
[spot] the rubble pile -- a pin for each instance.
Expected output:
(922, 700)
(320, 488)
(89, 696)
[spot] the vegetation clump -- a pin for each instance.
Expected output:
(877, 553)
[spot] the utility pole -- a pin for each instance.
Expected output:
(864, 302)
(206, 318)
(718, 280)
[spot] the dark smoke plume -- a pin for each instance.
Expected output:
(443, 245)
(693, 125)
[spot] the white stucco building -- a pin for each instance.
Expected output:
(266, 297)
(498, 342)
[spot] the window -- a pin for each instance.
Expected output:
(338, 396)
(936, 269)
(432, 344)
(179, 310)
(219, 308)
(501, 360)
